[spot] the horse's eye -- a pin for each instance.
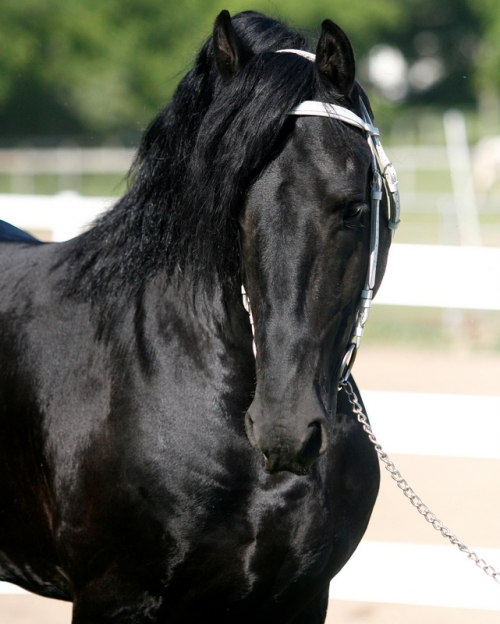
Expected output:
(352, 213)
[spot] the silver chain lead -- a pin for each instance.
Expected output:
(415, 500)
(381, 161)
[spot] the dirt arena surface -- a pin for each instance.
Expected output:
(393, 519)
(30, 609)
(340, 612)
(446, 372)
(26, 609)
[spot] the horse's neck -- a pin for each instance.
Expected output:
(205, 314)
(197, 340)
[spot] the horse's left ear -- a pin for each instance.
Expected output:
(335, 58)
(231, 54)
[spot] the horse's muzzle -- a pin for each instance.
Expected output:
(286, 447)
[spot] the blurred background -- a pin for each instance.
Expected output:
(79, 82)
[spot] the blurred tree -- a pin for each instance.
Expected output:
(83, 66)
(106, 63)
(72, 66)
(488, 58)
(439, 40)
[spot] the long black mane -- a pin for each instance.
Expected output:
(194, 164)
(152, 468)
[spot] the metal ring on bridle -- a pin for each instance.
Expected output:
(347, 364)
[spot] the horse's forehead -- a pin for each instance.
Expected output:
(339, 146)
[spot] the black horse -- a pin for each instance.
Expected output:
(151, 470)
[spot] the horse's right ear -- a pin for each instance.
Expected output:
(231, 54)
(335, 58)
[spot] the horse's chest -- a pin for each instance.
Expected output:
(252, 542)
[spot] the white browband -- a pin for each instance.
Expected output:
(308, 55)
(383, 170)
(312, 108)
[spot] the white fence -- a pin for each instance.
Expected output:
(417, 275)
(69, 164)
(406, 423)
(427, 574)
(78, 161)
(442, 276)
(65, 160)
(59, 217)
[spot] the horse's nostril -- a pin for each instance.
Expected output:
(312, 448)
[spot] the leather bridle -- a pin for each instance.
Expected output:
(383, 173)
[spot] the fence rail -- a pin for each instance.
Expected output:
(417, 275)
(65, 160)
(22, 165)
(79, 160)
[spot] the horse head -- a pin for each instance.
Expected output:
(305, 239)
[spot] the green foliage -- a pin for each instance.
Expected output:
(100, 67)
(488, 59)
(109, 66)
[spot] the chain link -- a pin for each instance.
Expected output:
(415, 500)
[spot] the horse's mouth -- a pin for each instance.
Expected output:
(274, 466)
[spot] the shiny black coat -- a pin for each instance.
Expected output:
(127, 481)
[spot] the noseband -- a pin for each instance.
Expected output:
(384, 173)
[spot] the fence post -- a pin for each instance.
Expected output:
(461, 177)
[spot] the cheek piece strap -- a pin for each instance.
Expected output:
(384, 175)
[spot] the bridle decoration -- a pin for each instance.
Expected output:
(383, 172)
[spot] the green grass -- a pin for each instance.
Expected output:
(476, 330)
(419, 228)
(87, 185)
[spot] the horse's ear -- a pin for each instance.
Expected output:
(231, 54)
(335, 58)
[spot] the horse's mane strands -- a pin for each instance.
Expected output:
(193, 166)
